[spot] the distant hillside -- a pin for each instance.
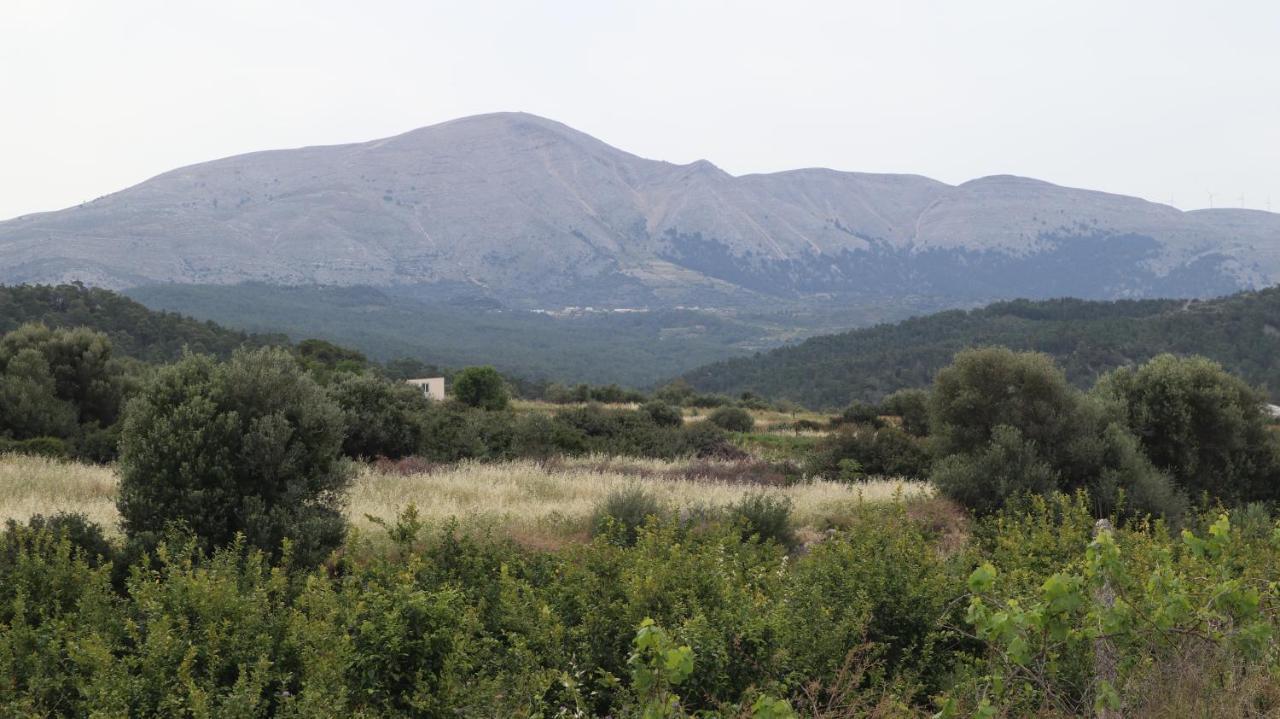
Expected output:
(135, 331)
(1087, 338)
(530, 213)
(630, 348)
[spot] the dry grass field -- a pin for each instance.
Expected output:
(555, 497)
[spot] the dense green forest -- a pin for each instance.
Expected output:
(635, 349)
(134, 330)
(1086, 338)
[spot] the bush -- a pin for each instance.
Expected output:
(663, 414)
(97, 444)
(480, 387)
(251, 446)
(622, 514)
(382, 418)
(676, 392)
(912, 407)
(540, 436)
(1082, 441)
(884, 451)
(50, 447)
(765, 518)
(84, 535)
(861, 413)
(1203, 426)
(732, 419)
(706, 440)
(1009, 467)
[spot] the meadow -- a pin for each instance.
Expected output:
(553, 499)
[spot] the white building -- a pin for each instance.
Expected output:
(1274, 410)
(432, 387)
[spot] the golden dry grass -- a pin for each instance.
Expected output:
(35, 485)
(521, 495)
(526, 494)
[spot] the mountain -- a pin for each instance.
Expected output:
(1087, 338)
(526, 212)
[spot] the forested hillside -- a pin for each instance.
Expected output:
(631, 348)
(1086, 338)
(134, 330)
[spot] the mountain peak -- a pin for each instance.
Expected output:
(531, 211)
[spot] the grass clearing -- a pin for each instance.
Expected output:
(36, 485)
(525, 497)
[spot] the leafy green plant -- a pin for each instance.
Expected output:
(658, 665)
(732, 419)
(624, 512)
(480, 387)
(663, 414)
(249, 447)
(765, 518)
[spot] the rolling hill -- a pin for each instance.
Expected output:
(1087, 338)
(135, 331)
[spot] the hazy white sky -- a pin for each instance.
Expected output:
(1166, 99)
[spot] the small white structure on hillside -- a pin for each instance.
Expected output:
(1273, 410)
(432, 387)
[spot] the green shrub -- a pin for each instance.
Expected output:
(69, 366)
(663, 414)
(879, 589)
(251, 446)
(765, 518)
(912, 407)
(732, 419)
(1203, 426)
(29, 405)
(382, 418)
(861, 413)
(1082, 441)
(1010, 466)
(884, 451)
(480, 387)
(84, 535)
(540, 436)
(97, 444)
(623, 512)
(50, 447)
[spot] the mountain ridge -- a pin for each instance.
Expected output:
(530, 212)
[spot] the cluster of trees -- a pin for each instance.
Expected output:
(998, 424)
(61, 391)
(1086, 338)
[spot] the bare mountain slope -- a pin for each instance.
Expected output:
(528, 211)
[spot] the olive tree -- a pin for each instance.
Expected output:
(251, 446)
(1005, 422)
(1202, 425)
(382, 418)
(481, 387)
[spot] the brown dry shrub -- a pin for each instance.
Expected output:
(406, 466)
